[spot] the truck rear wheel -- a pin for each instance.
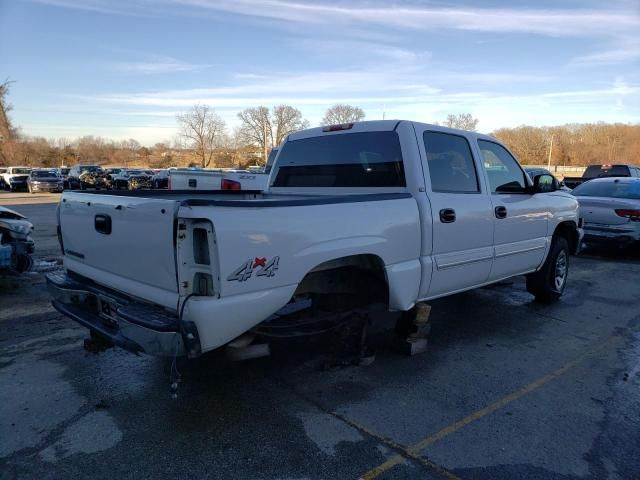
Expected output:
(547, 284)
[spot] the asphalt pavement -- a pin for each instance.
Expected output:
(508, 389)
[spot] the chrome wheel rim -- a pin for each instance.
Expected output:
(560, 276)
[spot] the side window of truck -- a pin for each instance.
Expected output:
(505, 175)
(450, 163)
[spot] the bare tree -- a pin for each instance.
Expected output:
(463, 121)
(343, 113)
(285, 119)
(131, 146)
(255, 128)
(202, 128)
(266, 129)
(7, 132)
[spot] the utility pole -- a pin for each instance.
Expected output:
(550, 150)
(264, 140)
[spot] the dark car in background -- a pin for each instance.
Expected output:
(64, 174)
(603, 171)
(82, 177)
(140, 179)
(111, 174)
(93, 179)
(160, 179)
(610, 208)
(132, 179)
(44, 181)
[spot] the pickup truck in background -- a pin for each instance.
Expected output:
(373, 213)
(15, 178)
(602, 171)
(201, 179)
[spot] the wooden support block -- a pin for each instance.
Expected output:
(413, 329)
(412, 346)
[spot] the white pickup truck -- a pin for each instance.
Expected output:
(392, 212)
(16, 178)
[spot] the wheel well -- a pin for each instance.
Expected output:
(568, 230)
(362, 275)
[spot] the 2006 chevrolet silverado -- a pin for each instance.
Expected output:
(389, 211)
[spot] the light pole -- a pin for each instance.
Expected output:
(550, 150)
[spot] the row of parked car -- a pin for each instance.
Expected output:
(80, 177)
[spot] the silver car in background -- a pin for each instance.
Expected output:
(610, 208)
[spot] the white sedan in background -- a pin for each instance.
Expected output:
(610, 208)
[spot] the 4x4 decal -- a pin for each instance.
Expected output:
(244, 272)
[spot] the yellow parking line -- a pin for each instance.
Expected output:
(414, 450)
(396, 446)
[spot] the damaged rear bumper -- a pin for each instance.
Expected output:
(134, 326)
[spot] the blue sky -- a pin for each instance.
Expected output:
(125, 68)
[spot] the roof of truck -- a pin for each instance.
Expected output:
(380, 126)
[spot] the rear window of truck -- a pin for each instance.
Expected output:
(363, 159)
(595, 171)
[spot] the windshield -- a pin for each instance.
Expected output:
(135, 172)
(90, 168)
(22, 171)
(609, 189)
(367, 159)
(44, 173)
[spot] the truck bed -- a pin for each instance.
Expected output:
(246, 198)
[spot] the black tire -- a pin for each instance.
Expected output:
(548, 283)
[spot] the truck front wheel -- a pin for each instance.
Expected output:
(547, 284)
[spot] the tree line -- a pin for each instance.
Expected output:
(205, 141)
(574, 144)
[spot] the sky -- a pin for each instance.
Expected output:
(124, 68)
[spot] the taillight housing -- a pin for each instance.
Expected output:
(630, 213)
(230, 185)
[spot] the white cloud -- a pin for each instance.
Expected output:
(543, 21)
(619, 53)
(557, 22)
(157, 65)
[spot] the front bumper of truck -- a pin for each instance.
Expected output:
(134, 326)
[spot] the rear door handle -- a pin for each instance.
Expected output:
(501, 212)
(102, 224)
(447, 215)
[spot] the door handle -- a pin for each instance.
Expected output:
(501, 212)
(102, 224)
(447, 215)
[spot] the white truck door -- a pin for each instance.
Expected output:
(521, 218)
(462, 214)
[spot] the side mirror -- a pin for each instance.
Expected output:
(544, 183)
